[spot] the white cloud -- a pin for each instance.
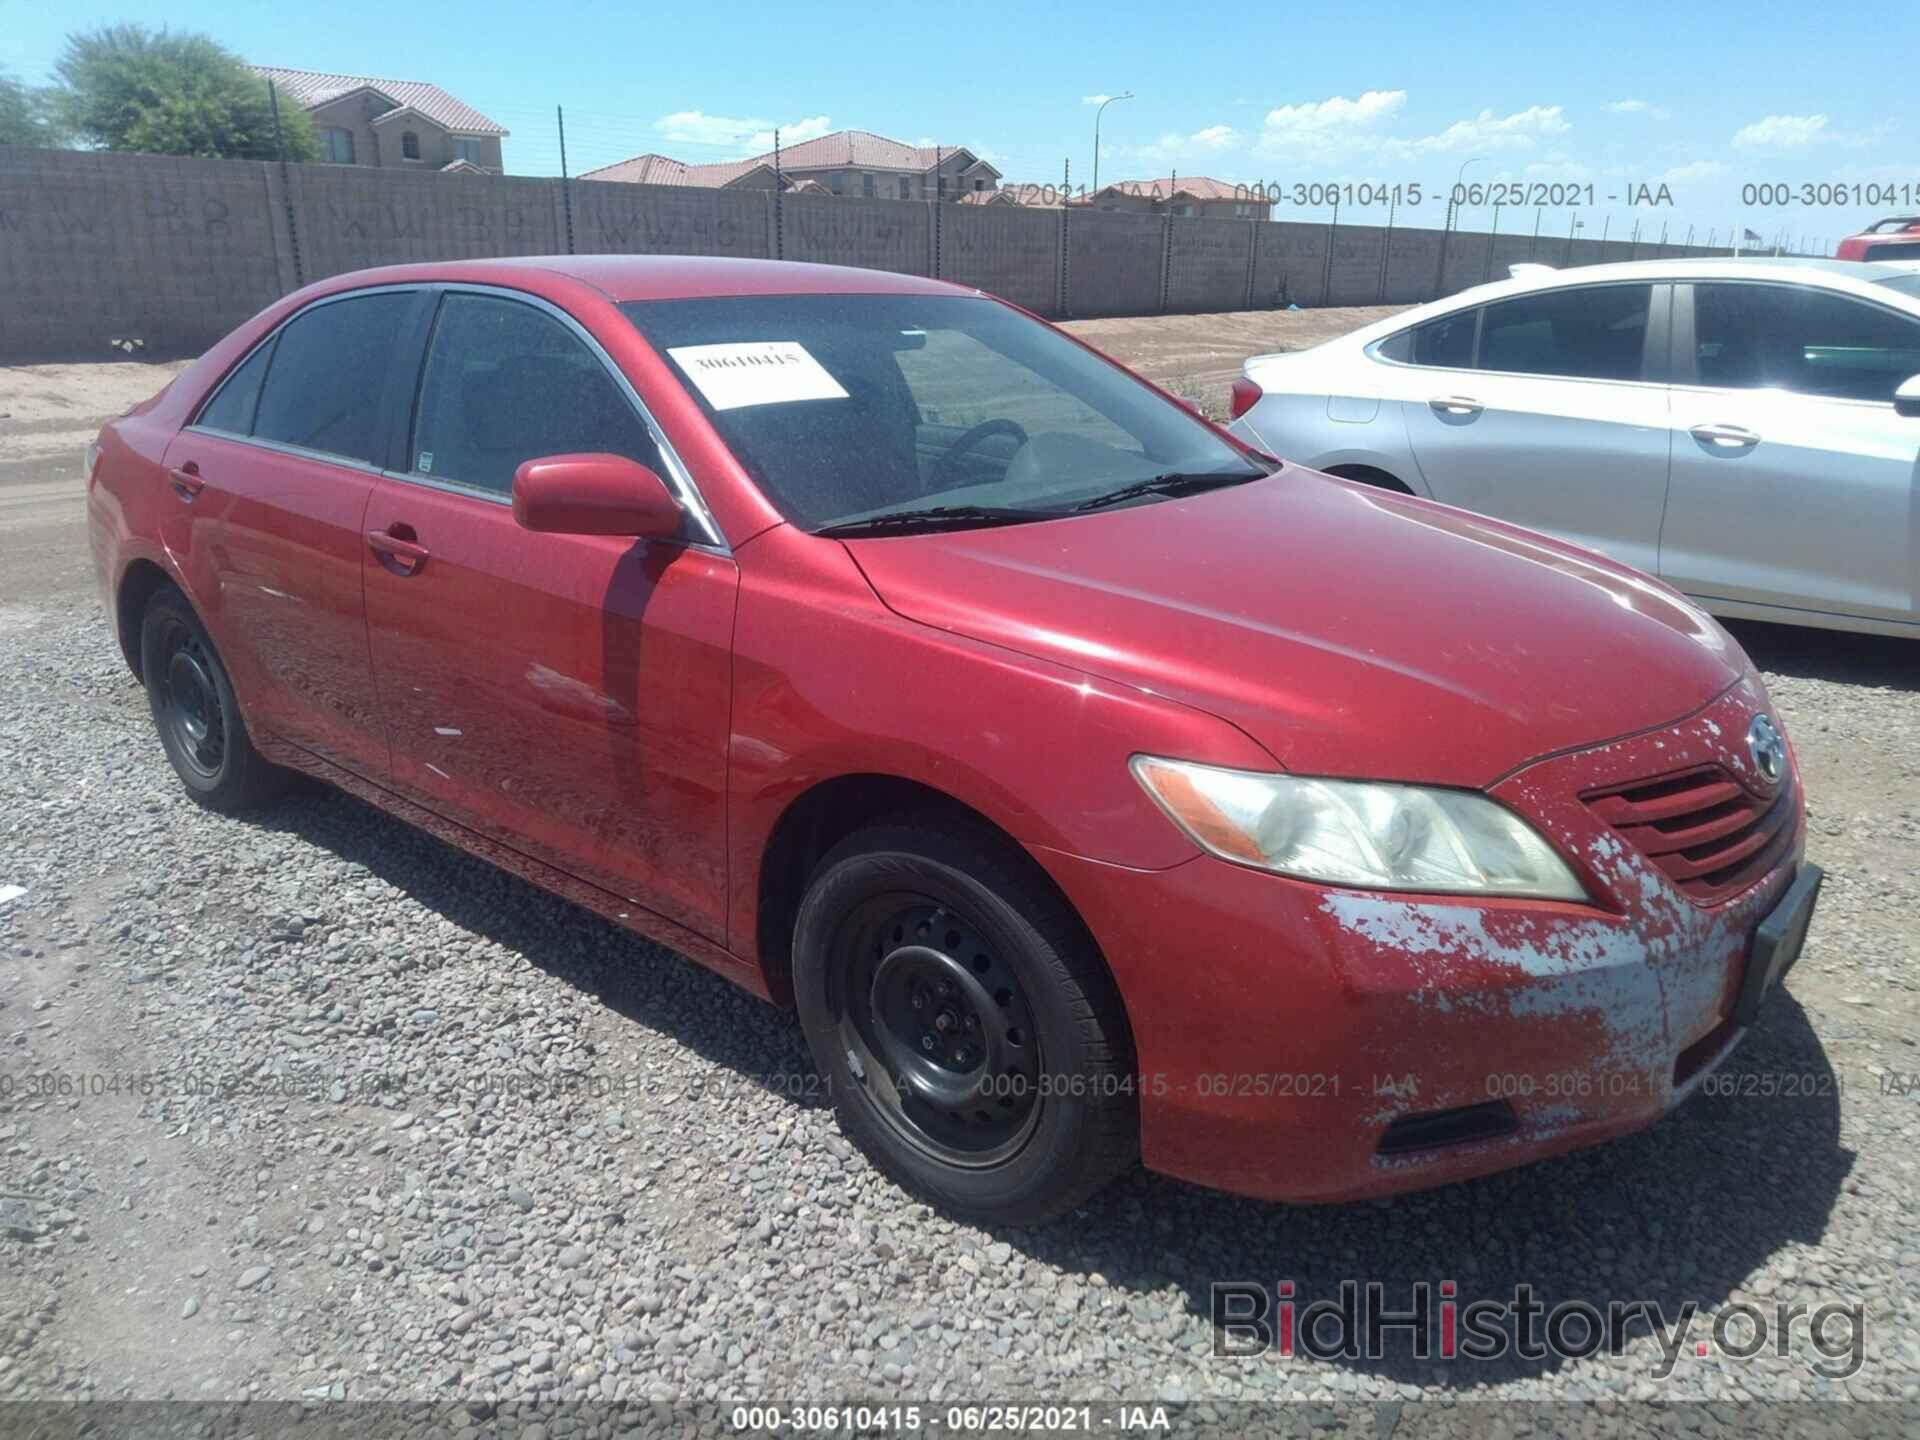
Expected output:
(739, 136)
(1487, 131)
(1174, 147)
(1340, 129)
(1095, 99)
(1334, 125)
(1783, 132)
(1638, 107)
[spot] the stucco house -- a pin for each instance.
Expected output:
(395, 124)
(847, 162)
(1185, 195)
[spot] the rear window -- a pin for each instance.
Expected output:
(1446, 342)
(1595, 332)
(231, 408)
(324, 386)
(1904, 284)
(843, 407)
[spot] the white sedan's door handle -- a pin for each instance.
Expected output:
(1455, 405)
(1725, 437)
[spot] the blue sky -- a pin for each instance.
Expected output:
(1704, 97)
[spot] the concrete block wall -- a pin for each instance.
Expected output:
(176, 252)
(97, 247)
(1010, 250)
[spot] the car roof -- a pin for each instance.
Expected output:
(658, 277)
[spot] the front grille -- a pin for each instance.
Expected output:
(1711, 835)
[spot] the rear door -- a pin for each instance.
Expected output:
(566, 695)
(1550, 410)
(276, 471)
(1795, 485)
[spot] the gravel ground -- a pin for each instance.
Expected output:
(374, 1120)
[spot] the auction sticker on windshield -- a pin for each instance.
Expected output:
(765, 372)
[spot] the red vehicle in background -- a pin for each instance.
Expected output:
(1895, 238)
(1092, 785)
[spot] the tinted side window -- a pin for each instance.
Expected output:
(323, 388)
(1597, 332)
(505, 383)
(231, 408)
(1783, 337)
(1447, 341)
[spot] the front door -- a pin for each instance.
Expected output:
(567, 695)
(1795, 485)
(1554, 422)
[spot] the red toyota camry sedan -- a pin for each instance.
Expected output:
(1092, 786)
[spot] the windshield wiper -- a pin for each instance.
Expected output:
(935, 517)
(1174, 482)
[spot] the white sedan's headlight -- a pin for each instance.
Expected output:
(1369, 836)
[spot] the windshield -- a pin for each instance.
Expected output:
(1905, 284)
(845, 407)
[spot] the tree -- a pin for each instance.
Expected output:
(26, 116)
(173, 93)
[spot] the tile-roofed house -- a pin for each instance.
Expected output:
(1195, 195)
(364, 120)
(847, 162)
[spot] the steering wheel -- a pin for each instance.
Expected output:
(949, 461)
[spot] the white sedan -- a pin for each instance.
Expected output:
(1747, 430)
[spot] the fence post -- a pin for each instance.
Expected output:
(1493, 239)
(1326, 269)
(779, 189)
(1253, 256)
(286, 185)
(939, 194)
(566, 183)
(1386, 250)
(1446, 238)
(1066, 254)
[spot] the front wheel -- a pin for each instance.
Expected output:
(971, 1036)
(195, 712)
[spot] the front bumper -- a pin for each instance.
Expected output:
(1286, 1031)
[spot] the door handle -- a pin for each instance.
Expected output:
(1455, 405)
(186, 481)
(1725, 437)
(403, 557)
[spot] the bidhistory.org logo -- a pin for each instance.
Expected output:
(1433, 1321)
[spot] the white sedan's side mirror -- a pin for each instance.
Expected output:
(1906, 400)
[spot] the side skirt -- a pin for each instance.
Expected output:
(641, 921)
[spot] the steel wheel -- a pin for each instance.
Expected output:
(191, 701)
(936, 1027)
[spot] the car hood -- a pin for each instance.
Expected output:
(1351, 631)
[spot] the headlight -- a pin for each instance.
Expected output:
(1343, 832)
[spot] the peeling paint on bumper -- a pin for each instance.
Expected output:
(1281, 1027)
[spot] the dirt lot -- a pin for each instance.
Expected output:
(647, 1215)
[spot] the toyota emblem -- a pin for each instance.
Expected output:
(1768, 750)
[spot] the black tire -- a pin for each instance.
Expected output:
(195, 712)
(1028, 1034)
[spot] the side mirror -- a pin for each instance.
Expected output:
(1906, 400)
(593, 495)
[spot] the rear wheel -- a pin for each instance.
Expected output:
(972, 1038)
(195, 712)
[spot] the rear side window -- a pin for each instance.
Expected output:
(1759, 337)
(1596, 332)
(231, 408)
(1446, 342)
(324, 387)
(506, 383)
